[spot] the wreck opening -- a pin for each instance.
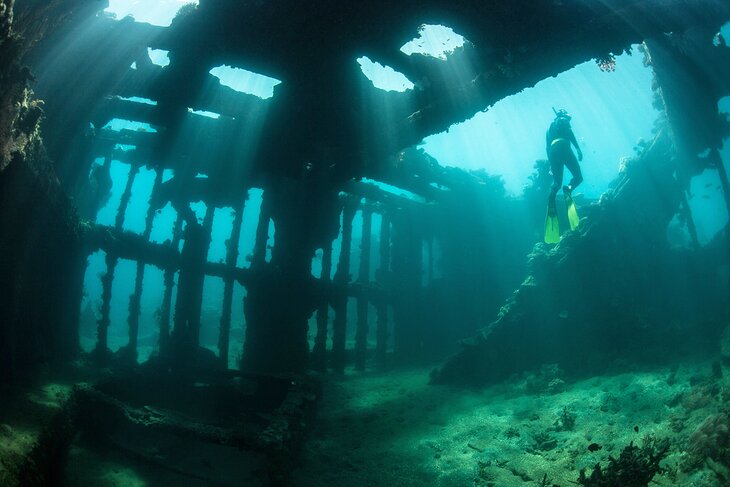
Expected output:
(707, 204)
(612, 113)
(204, 113)
(138, 99)
(437, 41)
(158, 57)
(244, 81)
(160, 13)
(208, 248)
(384, 77)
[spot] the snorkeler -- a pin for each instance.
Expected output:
(560, 154)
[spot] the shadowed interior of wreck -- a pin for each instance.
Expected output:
(125, 148)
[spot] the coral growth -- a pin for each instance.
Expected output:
(549, 380)
(711, 440)
(565, 421)
(544, 441)
(41, 263)
(186, 9)
(635, 467)
(606, 63)
(700, 396)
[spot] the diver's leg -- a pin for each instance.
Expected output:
(556, 167)
(552, 226)
(572, 164)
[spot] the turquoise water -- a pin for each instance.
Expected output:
(611, 337)
(611, 112)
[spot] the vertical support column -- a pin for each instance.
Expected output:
(166, 308)
(134, 311)
(126, 196)
(319, 354)
(363, 298)
(135, 300)
(202, 260)
(381, 347)
(224, 338)
(282, 295)
(255, 303)
(341, 282)
(262, 233)
(186, 334)
(102, 344)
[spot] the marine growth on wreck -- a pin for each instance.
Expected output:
(332, 243)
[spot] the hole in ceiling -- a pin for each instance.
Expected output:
(244, 81)
(205, 113)
(138, 99)
(119, 124)
(159, 57)
(384, 77)
(155, 12)
(434, 40)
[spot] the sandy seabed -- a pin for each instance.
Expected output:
(394, 429)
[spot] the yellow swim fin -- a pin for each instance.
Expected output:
(552, 228)
(573, 217)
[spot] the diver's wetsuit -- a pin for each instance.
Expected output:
(558, 140)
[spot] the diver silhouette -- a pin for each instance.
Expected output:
(558, 142)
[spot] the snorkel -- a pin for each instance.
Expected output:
(561, 114)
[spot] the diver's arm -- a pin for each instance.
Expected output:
(575, 143)
(547, 141)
